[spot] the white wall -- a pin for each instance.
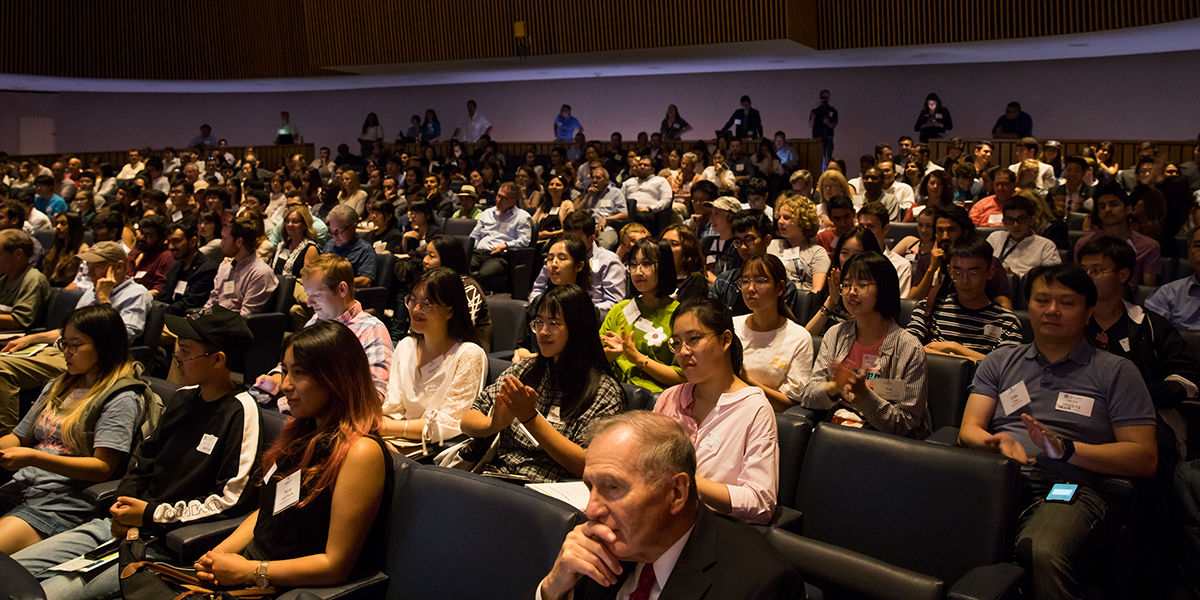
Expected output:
(1135, 97)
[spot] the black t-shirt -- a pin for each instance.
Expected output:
(820, 130)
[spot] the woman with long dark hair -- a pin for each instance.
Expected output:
(324, 478)
(556, 204)
(431, 129)
(445, 251)
(439, 368)
(62, 259)
(673, 126)
(372, 132)
(934, 119)
(831, 312)
(689, 262)
(386, 236)
(566, 264)
(729, 422)
(79, 432)
(541, 406)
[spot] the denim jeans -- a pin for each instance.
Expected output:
(96, 585)
(1056, 540)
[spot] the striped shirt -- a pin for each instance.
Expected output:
(980, 330)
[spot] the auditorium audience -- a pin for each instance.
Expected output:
(1176, 300)
(950, 224)
(541, 407)
(636, 330)
(1026, 149)
(1018, 247)
(1112, 211)
(777, 350)
(874, 218)
(209, 229)
(551, 213)
(871, 348)
(189, 281)
(1073, 195)
(914, 247)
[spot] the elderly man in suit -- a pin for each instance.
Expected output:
(648, 537)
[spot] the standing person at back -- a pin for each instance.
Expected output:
(823, 120)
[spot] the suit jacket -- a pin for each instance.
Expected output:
(723, 559)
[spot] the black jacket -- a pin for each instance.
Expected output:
(199, 285)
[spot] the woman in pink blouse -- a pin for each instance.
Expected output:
(730, 423)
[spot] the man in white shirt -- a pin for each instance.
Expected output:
(133, 167)
(322, 163)
(647, 530)
(787, 156)
(473, 127)
(154, 173)
(902, 191)
(651, 192)
(1027, 149)
(1018, 248)
(874, 218)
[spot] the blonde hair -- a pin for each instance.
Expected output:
(73, 433)
(310, 232)
(802, 210)
(836, 176)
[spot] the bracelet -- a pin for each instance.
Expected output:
(530, 418)
(824, 311)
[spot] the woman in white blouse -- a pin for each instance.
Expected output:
(719, 173)
(731, 423)
(439, 368)
(777, 351)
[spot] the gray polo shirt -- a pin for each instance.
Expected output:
(1113, 384)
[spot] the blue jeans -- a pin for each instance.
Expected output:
(1055, 541)
(97, 585)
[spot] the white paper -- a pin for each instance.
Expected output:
(207, 443)
(5, 309)
(575, 493)
(1074, 403)
(995, 219)
(287, 492)
(177, 215)
(180, 287)
(891, 390)
(1125, 344)
(270, 472)
(1014, 398)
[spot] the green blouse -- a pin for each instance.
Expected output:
(659, 326)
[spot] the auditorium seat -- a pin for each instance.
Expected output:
(794, 431)
(907, 306)
(949, 378)
(508, 321)
(1073, 237)
(1026, 326)
(468, 245)
(1075, 220)
(889, 517)
(16, 583)
(457, 227)
(59, 304)
(899, 231)
(1015, 283)
(375, 298)
(638, 398)
(1142, 292)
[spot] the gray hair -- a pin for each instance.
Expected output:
(15, 239)
(345, 213)
(664, 448)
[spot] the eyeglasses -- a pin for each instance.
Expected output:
(1097, 272)
(676, 343)
(752, 282)
(1021, 220)
(959, 274)
(551, 327)
(645, 264)
(859, 287)
(423, 306)
(66, 348)
(180, 360)
(339, 232)
(745, 242)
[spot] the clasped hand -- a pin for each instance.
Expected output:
(849, 383)
(224, 568)
(518, 399)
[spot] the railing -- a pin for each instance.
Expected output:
(269, 156)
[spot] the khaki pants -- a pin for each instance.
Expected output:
(21, 373)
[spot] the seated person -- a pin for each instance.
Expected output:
(630, 234)
(541, 407)
(1113, 211)
(751, 237)
(737, 452)
(692, 281)
(62, 259)
(989, 212)
(499, 228)
(1066, 412)
(649, 192)
(23, 289)
(344, 242)
(831, 312)
(966, 322)
(189, 281)
(385, 236)
(949, 224)
(329, 285)
(1018, 247)
(720, 253)
(106, 263)
(606, 203)
(874, 217)
(79, 432)
(1176, 300)
(647, 529)
(606, 270)
(149, 260)
(316, 538)
(869, 367)
(446, 251)
(210, 414)
(777, 350)
(568, 265)
(439, 368)
(296, 199)
(843, 217)
(246, 283)
(12, 216)
(635, 331)
(805, 260)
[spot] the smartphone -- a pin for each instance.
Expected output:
(260, 395)
(103, 550)
(1062, 492)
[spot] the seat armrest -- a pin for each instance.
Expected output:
(807, 413)
(831, 569)
(992, 582)
(191, 541)
(369, 588)
(101, 495)
(788, 519)
(16, 583)
(946, 436)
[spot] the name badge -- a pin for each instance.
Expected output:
(737, 121)
(995, 219)
(1125, 344)
(870, 362)
(553, 416)
(139, 275)
(177, 215)
(711, 443)
(992, 331)
(207, 443)
(710, 259)
(270, 472)
(227, 287)
(741, 168)
(287, 492)
(180, 287)
(1014, 398)
(1073, 403)
(631, 312)
(5, 309)
(891, 390)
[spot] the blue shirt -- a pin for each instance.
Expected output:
(612, 202)
(130, 299)
(431, 131)
(360, 254)
(566, 127)
(52, 207)
(1179, 302)
(1119, 396)
(608, 279)
(513, 229)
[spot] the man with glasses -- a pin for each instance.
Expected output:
(1017, 247)
(344, 242)
(966, 322)
(823, 120)
(607, 204)
(989, 212)
(328, 281)
(498, 229)
(951, 223)
(106, 264)
(751, 236)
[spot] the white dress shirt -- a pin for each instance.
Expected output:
(651, 192)
(904, 193)
(1033, 251)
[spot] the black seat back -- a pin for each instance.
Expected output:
(794, 432)
(929, 508)
(950, 376)
(907, 306)
(638, 398)
(284, 294)
(508, 320)
(1026, 326)
(60, 304)
(457, 227)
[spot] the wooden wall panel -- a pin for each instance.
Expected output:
(1124, 151)
(270, 157)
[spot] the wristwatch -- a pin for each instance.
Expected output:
(1068, 448)
(260, 575)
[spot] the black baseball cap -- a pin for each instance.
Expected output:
(214, 325)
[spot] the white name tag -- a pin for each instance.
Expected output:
(227, 287)
(992, 331)
(631, 312)
(711, 443)
(207, 443)
(1014, 398)
(1072, 403)
(139, 275)
(737, 121)
(710, 259)
(553, 415)
(287, 492)
(177, 215)
(180, 287)
(1125, 344)
(270, 472)
(5, 309)
(995, 219)
(891, 390)
(741, 168)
